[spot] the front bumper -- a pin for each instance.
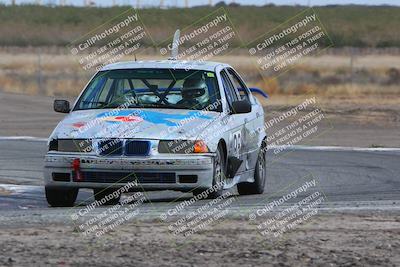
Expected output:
(176, 166)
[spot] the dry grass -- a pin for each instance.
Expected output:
(342, 61)
(359, 90)
(352, 25)
(326, 75)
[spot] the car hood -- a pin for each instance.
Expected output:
(135, 123)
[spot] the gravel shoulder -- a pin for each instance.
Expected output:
(325, 240)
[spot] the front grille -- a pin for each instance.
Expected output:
(137, 148)
(110, 147)
(125, 177)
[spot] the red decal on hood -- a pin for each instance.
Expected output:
(78, 124)
(123, 119)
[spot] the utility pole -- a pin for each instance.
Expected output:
(187, 3)
(161, 3)
(137, 4)
(210, 3)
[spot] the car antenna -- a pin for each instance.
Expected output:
(175, 45)
(135, 57)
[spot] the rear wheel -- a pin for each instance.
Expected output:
(61, 197)
(257, 187)
(107, 196)
(219, 175)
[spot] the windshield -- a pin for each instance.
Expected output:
(152, 88)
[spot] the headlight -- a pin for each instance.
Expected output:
(182, 146)
(70, 145)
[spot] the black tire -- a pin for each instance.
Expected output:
(61, 197)
(257, 187)
(101, 193)
(219, 174)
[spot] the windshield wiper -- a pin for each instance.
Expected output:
(94, 102)
(150, 105)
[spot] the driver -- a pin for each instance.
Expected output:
(194, 93)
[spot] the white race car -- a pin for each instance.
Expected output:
(158, 125)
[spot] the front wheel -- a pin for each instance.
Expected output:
(219, 176)
(61, 197)
(256, 187)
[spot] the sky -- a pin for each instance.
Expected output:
(205, 2)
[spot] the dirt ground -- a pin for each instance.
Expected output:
(326, 240)
(362, 122)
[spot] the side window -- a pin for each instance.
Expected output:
(228, 87)
(239, 85)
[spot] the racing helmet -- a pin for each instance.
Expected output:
(195, 89)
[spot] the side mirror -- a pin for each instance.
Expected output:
(61, 106)
(241, 106)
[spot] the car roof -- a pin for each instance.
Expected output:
(165, 64)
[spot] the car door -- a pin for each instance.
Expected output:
(236, 122)
(252, 120)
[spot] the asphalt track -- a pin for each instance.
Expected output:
(349, 179)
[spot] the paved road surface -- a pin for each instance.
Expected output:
(347, 178)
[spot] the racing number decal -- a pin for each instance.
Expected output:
(237, 143)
